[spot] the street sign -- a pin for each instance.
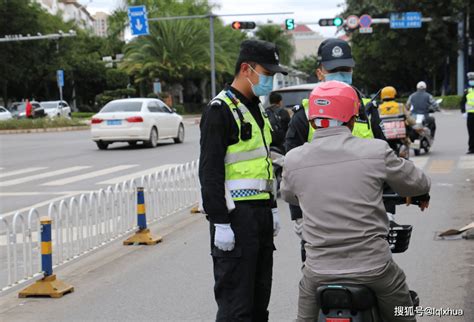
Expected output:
(60, 77)
(365, 21)
(352, 22)
(404, 20)
(366, 30)
(138, 20)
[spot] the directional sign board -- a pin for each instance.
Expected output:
(138, 20)
(367, 30)
(352, 22)
(60, 77)
(404, 20)
(365, 21)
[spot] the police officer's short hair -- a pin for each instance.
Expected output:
(275, 98)
(240, 62)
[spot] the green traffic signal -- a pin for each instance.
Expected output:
(290, 24)
(338, 21)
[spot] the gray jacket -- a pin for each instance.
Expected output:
(421, 102)
(337, 180)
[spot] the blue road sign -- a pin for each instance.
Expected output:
(138, 20)
(365, 21)
(404, 20)
(60, 77)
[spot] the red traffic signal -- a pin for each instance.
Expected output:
(239, 25)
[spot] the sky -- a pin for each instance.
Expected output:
(304, 11)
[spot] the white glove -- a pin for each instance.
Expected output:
(464, 115)
(298, 227)
(276, 221)
(224, 238)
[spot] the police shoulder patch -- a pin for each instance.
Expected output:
(215, 103)
(296, 108)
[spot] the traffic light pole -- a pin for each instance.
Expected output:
(212, 17)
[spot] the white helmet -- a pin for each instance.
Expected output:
(421, 85)
(470, 76)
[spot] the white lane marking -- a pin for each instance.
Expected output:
(136, 174)
(62, 182)
(466, 162)
(22, 171)
(42, 176)
(420, 162)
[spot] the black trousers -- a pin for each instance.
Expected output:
(431, 124)
(243, 276)
(470, 130)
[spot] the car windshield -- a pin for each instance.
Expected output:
(21, 107)
(49, 105)
(292, 98)
(122, 106)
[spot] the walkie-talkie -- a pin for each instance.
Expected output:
(245, 127)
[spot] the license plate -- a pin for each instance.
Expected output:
(114, 122)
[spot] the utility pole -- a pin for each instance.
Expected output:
(461, 73)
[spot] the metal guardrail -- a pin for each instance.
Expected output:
(86, 222)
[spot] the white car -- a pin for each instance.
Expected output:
(4, 114)
(56, 108)
(136, 119)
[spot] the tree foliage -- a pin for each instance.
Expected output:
(402, 57)
(179, 49)
(28, 68)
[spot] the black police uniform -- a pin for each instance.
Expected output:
(243, 276)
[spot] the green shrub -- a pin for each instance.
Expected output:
(82, 115)
(450, 101)
(42, 123)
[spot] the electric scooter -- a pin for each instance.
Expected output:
(358, 303)
(422, 137)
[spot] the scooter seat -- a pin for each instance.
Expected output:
(353, 297)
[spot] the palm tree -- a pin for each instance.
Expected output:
(280, 38)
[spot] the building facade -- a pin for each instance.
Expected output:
(100, 23)
(70, 10)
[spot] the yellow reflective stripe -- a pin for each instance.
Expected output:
(46, 248)
(140, 209)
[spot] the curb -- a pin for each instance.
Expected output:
(47, 130)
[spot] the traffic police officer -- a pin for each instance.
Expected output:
(467, 108)
(335, 63)
(235, 171)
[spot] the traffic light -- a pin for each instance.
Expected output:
(331, 22)
(239, 25)
(290, 24)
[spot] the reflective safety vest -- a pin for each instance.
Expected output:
(390, 108)
(305, 103)
(470, 100)
(248, 166)
(362, 129)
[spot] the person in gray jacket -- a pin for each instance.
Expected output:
(420, 102)
(337, 180)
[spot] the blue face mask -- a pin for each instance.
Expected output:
(345, 77)
(264, 86)
(471, 83)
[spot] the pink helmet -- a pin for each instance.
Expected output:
(333, 100)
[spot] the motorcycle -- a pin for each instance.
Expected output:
(395, 131)
(358, 303)
(422, 137)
